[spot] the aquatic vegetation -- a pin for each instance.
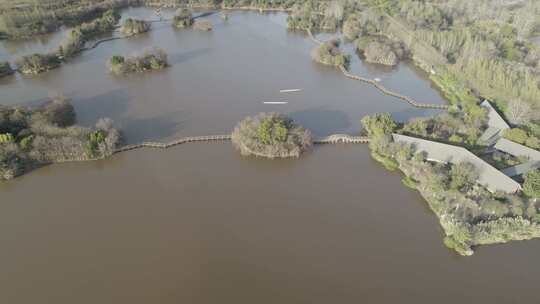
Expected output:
(271, 135)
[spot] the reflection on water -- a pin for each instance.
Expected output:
(201, 224)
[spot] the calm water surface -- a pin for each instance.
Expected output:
(200, 224)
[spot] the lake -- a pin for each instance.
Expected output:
(199, 223)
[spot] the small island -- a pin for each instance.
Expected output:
(37, 63)
(74, 42)
(31, 138)
(135, 27)
(271, 135)
(183, 18)
(328, 53)
(155, 59)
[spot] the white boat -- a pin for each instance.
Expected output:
(290, 90)
(275, 102)
(377, 79)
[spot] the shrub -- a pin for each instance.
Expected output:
(463, 176)
(37, 63)
(531, 186)
(6, 138)
(381, 50)
(517, 135)
(34, 137)
(59, 112)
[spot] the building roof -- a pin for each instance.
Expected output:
(521, 168)
(496, 124)
(494, 119)
(516, 149)
(489, 176)
(490, 136)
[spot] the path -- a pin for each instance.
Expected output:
(379, 86)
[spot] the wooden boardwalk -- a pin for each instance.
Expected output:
(384, 90)
(342, 138)
(331, 139)
(379, 86)
(158, 145)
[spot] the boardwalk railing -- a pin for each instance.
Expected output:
(158, 145)
(331, 139)
(384, 90)
(342, 138)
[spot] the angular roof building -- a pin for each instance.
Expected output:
(489, 176)
(496, 125)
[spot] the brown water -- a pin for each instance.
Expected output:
(200, 224)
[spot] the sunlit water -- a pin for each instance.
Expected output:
(199, 223)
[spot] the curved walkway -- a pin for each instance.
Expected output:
(331, 139)
(158, 145)
(379, 86)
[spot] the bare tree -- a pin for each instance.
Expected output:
(335, 10)
(519, 112)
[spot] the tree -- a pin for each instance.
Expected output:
(379, 125)
(531, 186)
(462, 175)
(519, 112)
(60, 112)
(493, 208)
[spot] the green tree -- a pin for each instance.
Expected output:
(462, 176)
(379, 125)
(531, 186)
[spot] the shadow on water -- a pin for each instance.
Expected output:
(8, 80)
(322, 121)
(155, 128)
(112, 104)
(409, 113)
(186, 56)
(205, 14)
